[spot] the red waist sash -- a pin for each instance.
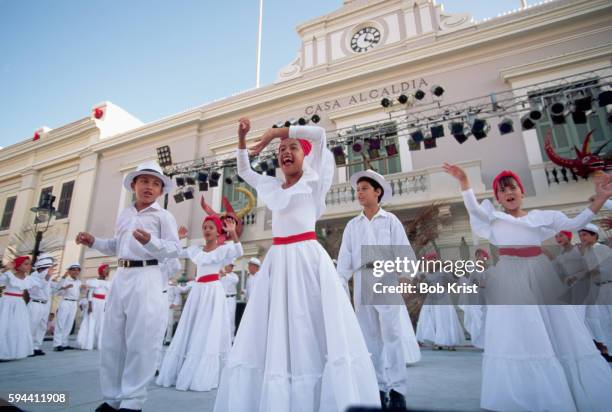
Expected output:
(529, 251)
(19, 295)
(294, 238)
(208, 278)
(99, 296)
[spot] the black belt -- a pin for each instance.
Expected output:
(230, 296)
(164, 291)
(71, 300)
(123, 263)
(44, 302)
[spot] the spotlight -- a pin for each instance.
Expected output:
(429, 143)
(263, 166)
(385, 102)
(275, 163)
(419, 94)
(163, 156)
(583, 104)
(303, 121)
(391, 149)
(271, 172)
(413, 146)
(605, 98)
(357, 146)
(609, 117)
(437, 131)
(228, 180)
(180, 181)
(274, 126)
(558, 111)
(373, 148)
(178, 197)
(202, 177)
(403, 99)
(203, 186)
(579, 117)
(256, 165)
(480, 128)
(417, 135)
(437, 90)
(535, 113)
(213, 179)
(457, 129)
(339, 156)
(506, 126)
(527, 123)
(188, 193)
(190, 180)
(291, 122)
(315, 118)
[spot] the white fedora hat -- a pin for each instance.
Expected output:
(255, 261)
(388, 192)
(590, 227)
(73, 266)
(44, 260)
(149, 168)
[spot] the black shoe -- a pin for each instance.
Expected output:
(384, 400)
(129, 410)
(397, 402)
(68, 347)
(157, 373)
(58, 349)
(166, 343)
(39, 352)
(105, 407)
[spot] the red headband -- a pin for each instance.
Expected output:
(18, 261)
(507, 173)
(216, 221)
(306, 146)
(567, 234)
(483, 252)
(431, 256)
(101, 269)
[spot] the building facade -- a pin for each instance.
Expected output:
(349, 61)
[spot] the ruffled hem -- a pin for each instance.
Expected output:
(590, 380)
(194, 372)
(289, 392)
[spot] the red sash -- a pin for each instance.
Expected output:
(19, 295)
(529, 251)
(208, 278)
(294, 238)
(99, 296)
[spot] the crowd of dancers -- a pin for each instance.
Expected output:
(301, 345)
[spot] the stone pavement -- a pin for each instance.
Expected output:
(441, 381)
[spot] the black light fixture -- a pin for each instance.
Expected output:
(303, 121)
(271, 172)
(480, 128)
(213, 178)
(385, 102)
(579, 117)
(164, 158)
(202, 176)
(374, 147)
(583, 104)
(403, 99)
(178, 197)
(188, 193)
(180, 181)
(505, 126)
(339, 156)
(357, 146)
(202, 186)
(228, 180)
(419, 94)
(315, 118)
(190, 180)
(275, 162)
(287, 123)
(605, 98)
(437, 90)
(535, 113)
(527, 123)
(457, 129)
(391, 148)
(413, 146)
(429, 143)
(417, 135)
(437, 131)
(558, 111)
(270, 164)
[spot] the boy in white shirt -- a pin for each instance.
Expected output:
(69, 288)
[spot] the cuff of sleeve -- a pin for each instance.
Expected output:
(465, 193)
(153, 245)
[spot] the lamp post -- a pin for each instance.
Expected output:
(44, 213)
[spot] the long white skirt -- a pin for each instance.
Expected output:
(439, 324)
(91, 326)
(412, 352)
(15, 333)
(299, 346)
(539, 357)
(198, 351)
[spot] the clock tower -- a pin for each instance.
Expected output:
(363, 28)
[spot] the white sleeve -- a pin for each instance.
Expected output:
(244, 169)
(106, 246)
(562, 222)
(345, 256)
(168, 245)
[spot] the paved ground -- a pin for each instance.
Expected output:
(441, 381)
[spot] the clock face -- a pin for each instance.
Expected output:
(365, 39)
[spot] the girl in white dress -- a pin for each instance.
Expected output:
(536, 357)
(202, 340)
(91, 325)
(299, 346)
(15, 334)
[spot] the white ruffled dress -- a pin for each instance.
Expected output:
(15, 335)
(536, 357)
(198, 351)
(299, 346)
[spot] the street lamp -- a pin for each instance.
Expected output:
(44, 213)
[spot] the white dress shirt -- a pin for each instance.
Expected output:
(72, 293)
(42, 290)
(229, 281)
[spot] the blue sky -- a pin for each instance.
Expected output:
(153, 58)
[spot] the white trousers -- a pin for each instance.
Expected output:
(380, 325)
(166, 324)
(231, 310)
(39, 316)
(131, 337)
(64, 320)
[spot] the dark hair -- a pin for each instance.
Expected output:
(374, 184)
(507, 181)
(158, 178)
(590, 233)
